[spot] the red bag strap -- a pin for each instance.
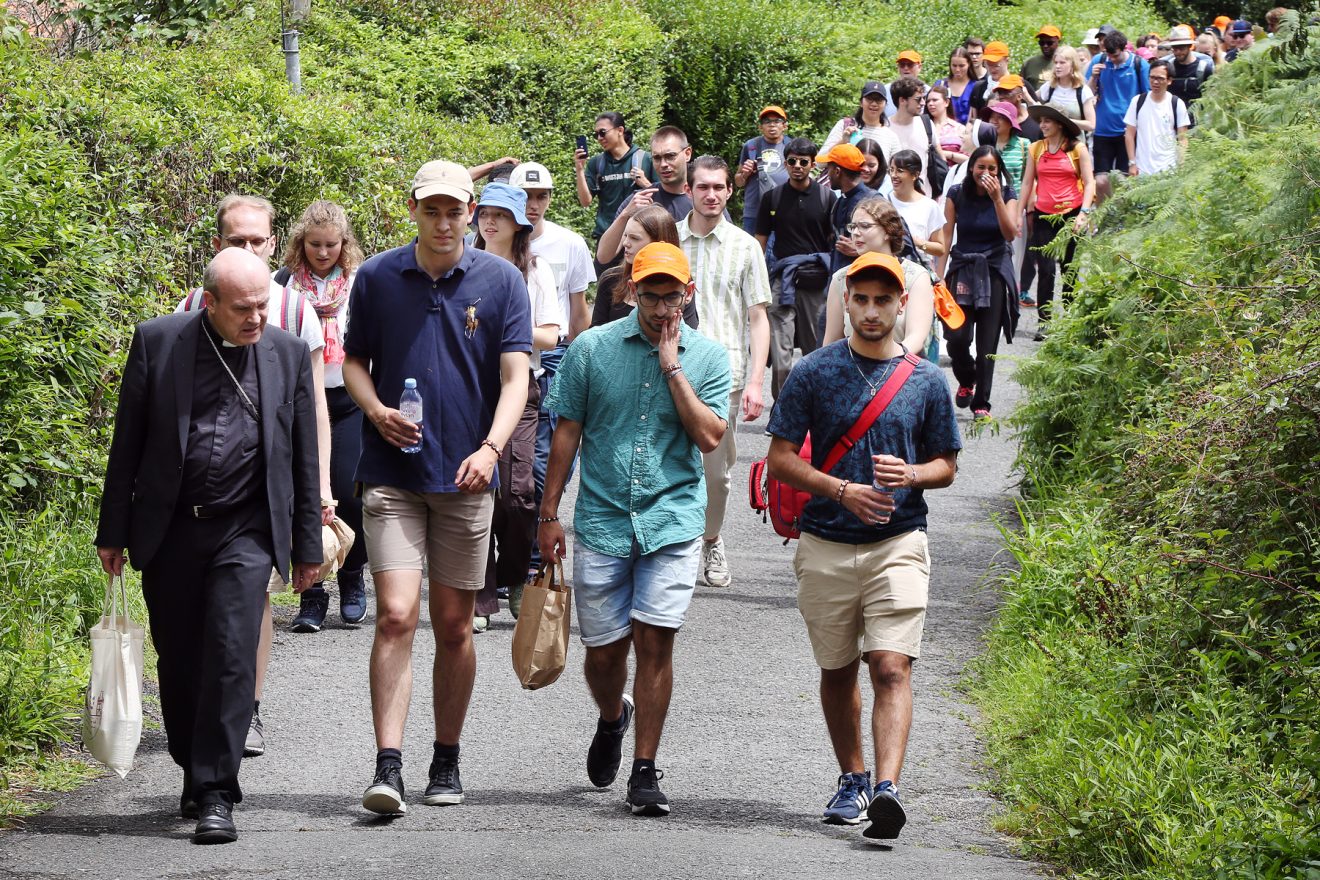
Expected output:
(872, 412)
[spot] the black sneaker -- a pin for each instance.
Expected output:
(607, 747)
(446, 787)
(312, 606)
(385, 794)
(885, 812)
(644, 795)
(352, 597)
(254, 745)
(963, 398)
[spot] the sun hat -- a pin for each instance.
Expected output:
(1181, 35)
(995, 51)
(531, 175)
(886, 263)
(510, 198)
(1049, 30)
(1004, 109)
(441, 178)
(661, 258)
(845, 156)
(1049, 111)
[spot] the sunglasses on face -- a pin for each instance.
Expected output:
(795, 162)
(601, 132)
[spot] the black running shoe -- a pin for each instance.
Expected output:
(644, 795)
(312, 606)
(607, 747)
(352, 597)
(385, 794)
(446, 787)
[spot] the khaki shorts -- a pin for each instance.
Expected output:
(856, 598)
(446, 533)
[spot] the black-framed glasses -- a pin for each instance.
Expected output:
(601, 132)
(651, 300)
(797, 162)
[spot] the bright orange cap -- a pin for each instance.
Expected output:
(886, 263)
(772, 110)
(1222, 22)
(661, 258)
(845, 156)
(1011, 81)
(1049, 30)
(910, 55)
(995, 51)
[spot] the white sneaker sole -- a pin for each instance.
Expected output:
(649, 809)
(442, 800)
(383, 800)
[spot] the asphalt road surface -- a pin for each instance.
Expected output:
(747, 762)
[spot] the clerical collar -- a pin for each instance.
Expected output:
(215, 334)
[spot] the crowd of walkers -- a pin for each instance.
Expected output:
(956, 188)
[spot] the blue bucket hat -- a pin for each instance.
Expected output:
(510, 198)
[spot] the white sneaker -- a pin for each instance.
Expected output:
(714, 563)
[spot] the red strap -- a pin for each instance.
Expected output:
(872, 412)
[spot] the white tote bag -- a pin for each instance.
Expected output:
(112, 714)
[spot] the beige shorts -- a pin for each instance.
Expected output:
(856, 598)
(445, 533)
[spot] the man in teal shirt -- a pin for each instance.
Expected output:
(644, 397)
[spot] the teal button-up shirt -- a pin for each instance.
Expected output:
(641, 478)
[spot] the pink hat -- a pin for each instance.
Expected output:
(1004, 109)
(1146, 52)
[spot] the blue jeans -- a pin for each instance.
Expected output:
(612, 592)
(545, 427)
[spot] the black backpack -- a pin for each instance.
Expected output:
(1141, 102)
(937, 170)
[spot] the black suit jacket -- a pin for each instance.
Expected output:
(144, 476)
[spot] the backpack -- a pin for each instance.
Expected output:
(1045, 99)
(1141, 102)
(937, 169)
(291, 316)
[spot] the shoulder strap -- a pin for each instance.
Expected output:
(826, 197)
(872, 412)
(1141, 102)
(1037, 149)
(292, 314)
(930, 131)
(1080, 102)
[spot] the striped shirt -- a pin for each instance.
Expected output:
(728, 269)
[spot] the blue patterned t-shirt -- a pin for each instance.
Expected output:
(824, 395)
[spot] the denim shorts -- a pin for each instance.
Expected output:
(612, 591)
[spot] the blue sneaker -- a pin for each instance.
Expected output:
(850, 801)
(885, 812)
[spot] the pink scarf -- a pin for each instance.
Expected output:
(327, 305)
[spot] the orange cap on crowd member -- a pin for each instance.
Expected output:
(886, 263)
(1049, 30)
(845, 156)
(995, 51)
(772, 110)
(910, 55)
(1010, 81)
(1222, 22)
(661, 258)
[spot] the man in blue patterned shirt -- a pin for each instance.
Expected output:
(644, 396)
(862, 565)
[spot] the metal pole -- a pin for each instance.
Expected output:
(292, 64)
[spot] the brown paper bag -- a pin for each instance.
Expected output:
(540, 638)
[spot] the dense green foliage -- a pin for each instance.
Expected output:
(1153, 685)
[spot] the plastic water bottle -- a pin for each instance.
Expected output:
(884, 490)
(410, 407)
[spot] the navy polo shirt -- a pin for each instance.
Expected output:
(413, 327)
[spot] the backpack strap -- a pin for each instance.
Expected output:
(193, 300)
(873, 410)
(291, 316)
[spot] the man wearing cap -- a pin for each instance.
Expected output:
(761, 163)
(733, 292)
(996, 68)
(456, 321)
(909, 63)
(1014, 90)
(670, 154)
(1190, 68)
(1116, 76)
(1240, 38)
(641, 398)
(862, 564)
(1035, 67)
(844, 167)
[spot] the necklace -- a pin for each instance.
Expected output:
(247, 401)
(874, 386)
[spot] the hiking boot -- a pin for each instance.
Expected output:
(352, 597)
(515, 599)
(255, 744)
(385, 794)
(446, 787)
(644, 795)
(607, 746)
(885, 812)
(850, 801)
(312, 606)
(963, 398)
(714, 563)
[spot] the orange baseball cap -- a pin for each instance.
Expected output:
(1222, 22)
(845, 156)
(772, 110)
(910, 55)
(1049, 30)
(995, 51)
(661, 258)
(1011, 81)
(886, 263)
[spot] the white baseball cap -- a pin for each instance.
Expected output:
(531, 175)
(1092, 37)
(440, 178)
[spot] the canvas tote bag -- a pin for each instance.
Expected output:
(112, 712)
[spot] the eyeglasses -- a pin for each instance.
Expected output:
(666, 157)
(239, 241)
(601, 132)
(794, 162)
(772, 120)
(651, 300)
(854, 228)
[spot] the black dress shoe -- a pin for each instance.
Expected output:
(216, 824)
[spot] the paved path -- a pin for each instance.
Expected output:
(745, 752)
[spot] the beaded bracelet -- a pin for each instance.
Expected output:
(670, 372)
(547, 519)
(838, 496)
(491, 445)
